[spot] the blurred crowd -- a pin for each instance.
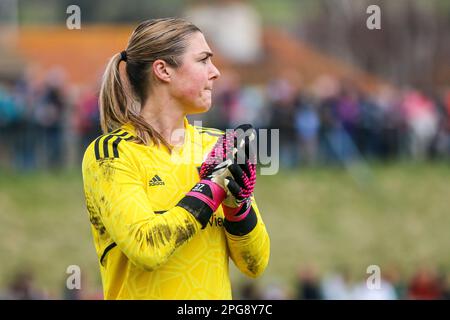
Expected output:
(426, 283)
(334, 122)
(47, 123)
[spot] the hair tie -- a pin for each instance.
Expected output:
(123, 56)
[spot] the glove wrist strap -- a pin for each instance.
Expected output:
(237, 214)
(218, 194)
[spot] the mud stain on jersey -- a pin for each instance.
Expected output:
(107, 169)
(94, 218)
(250, 261)
(163, 233)
(184, 233)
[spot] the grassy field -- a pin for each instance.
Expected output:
(390, 215)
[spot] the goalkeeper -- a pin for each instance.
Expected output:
(162, 229)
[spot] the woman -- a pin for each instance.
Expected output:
(161, 228)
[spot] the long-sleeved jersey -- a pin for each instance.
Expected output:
(149, 248)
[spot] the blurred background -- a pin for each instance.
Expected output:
(364, 120)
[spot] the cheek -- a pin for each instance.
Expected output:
(192, 85)
(192, 90)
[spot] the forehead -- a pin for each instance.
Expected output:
(197, 44)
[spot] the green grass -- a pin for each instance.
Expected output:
(393, 215)
(45, 229)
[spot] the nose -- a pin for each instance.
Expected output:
(215, 73)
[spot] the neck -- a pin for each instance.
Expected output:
(166, 117)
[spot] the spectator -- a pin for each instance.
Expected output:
(249, 291)
(308, 284)
(336, 286)
(275, 291)
(87, 118)
(424, 285)
(10, 115)
(422, 122)
(307, 126)
(22, 288)
(282, 117)
(50, 115)
(385, 291)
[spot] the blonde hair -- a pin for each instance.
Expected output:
(121, 102)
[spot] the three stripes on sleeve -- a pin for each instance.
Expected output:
(106, 146)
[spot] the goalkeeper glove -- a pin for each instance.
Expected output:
(240, 184)
(206, 196)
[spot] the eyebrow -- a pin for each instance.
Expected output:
(208, 54)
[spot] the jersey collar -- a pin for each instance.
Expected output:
(189, 131)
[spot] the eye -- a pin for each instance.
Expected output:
(205, 60)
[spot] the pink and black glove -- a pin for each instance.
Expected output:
(226, 169)
(207, 195)
(240, 184)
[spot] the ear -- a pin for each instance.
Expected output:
(161, 70)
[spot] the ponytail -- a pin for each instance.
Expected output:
(118, 107)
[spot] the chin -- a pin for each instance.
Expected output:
(200, 109)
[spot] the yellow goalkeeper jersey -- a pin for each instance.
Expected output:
(149, 248)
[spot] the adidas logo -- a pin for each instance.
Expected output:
(156, 181)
